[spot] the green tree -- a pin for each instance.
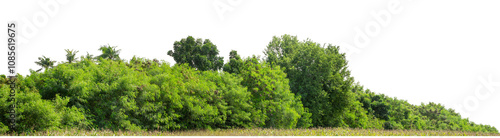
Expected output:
(318, 74)
(276, 105)
(45, 63)
(235, 63)
(87, 57)
(109, 52)
(200, 54)
(71, 55)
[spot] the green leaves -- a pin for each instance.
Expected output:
(34, 113)
(108, 52)
(235, 63)
(299, 84)
(71, 55)
(143, 94)
(276, 105)
(45, 63)
(318, 74)
(200, 54)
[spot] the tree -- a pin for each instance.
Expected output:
(271, 96)
(109, 52)
(45, 62)
(88, 56)
(200, 54)
(70, 55)
(235, 63)
(318, 74)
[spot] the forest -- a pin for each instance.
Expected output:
(296, 84)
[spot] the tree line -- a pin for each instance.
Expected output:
(297, 84)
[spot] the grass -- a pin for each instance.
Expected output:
(256, 132)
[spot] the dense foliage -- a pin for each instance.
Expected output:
(318, 74)
(393, 113)
(200, 54)
(235, 63)
(299, 84)
(144, 94)
(271, 94)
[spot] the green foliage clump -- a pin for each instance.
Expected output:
(235, 63)
(277, 106)
(144, 94)
(35, 113)
(3, 128)
(200, 54)
(71, 55)
(108, 52)
(399, 114)
(45, 62)
(318, 74)
(298, 84)
(147, 94)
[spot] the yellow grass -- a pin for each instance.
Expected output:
(258, 132)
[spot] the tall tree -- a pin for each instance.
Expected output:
(109, 52)
(235, 63)
(71, 55)
(200, 54)
(318, 74)
(45, 63)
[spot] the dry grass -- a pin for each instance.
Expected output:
(258, 132)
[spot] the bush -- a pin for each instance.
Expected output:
(3, 128)
(35, 113)
(145, 94)
(276, 105)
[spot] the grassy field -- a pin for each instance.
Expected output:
(257, 132)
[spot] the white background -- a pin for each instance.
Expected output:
(428, 51)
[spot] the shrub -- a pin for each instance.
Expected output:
(276, 105)
(35, 113)
(3, 128)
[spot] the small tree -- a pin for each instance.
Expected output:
(109, 52)
(235, 63)
(45, 63)
(71, 55)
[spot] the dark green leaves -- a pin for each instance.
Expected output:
(45, 63)
(318, 74)
(235, 64)
(199, 54)
(109, 52)
(298, 84)
(276, 105)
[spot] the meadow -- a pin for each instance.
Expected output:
(257, 132)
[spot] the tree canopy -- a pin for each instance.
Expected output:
(235, 63)
(109, 52)
(45, 63)
(71, 55)
(318, 74)
(298, 84)
(200, 54)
